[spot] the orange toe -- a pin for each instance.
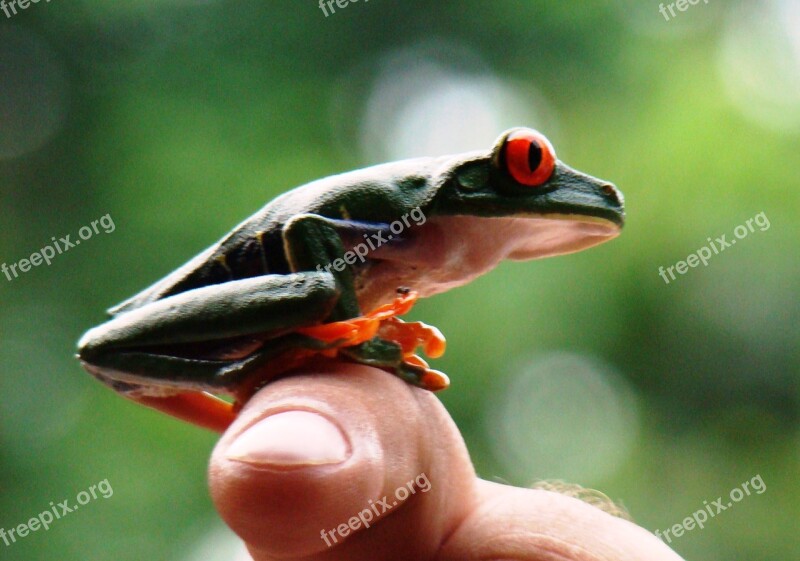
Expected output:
(434, 380)
(410, 335)
(431, 380)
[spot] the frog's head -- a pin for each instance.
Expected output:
(516, 201)
(554, 208)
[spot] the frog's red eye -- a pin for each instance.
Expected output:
(529, 156)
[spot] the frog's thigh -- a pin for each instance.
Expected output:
(211, 313)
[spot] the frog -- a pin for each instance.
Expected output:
(327, 269)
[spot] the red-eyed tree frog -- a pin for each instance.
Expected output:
(294, 280)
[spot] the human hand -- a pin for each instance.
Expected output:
(307, 465)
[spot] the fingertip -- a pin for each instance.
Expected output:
(291, 465)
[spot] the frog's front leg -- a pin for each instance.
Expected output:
(313, 241)
(155, 352)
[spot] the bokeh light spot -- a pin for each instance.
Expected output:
(424, 104)
(760, 62)
(564, 416)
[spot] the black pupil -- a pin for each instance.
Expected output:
(534, 155)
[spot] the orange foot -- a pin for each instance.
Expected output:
(357, 330)
(383, 322)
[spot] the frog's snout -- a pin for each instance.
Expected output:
(612, 194)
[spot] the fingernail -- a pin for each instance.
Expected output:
(292, 439)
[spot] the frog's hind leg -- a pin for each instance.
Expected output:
(165, 348)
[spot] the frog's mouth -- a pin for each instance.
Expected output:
(449, 251)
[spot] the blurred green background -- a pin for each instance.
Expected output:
(180, 118)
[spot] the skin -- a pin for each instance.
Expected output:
(310, 451)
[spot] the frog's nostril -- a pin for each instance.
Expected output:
(611, 192)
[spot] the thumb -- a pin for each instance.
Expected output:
(347, 462)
